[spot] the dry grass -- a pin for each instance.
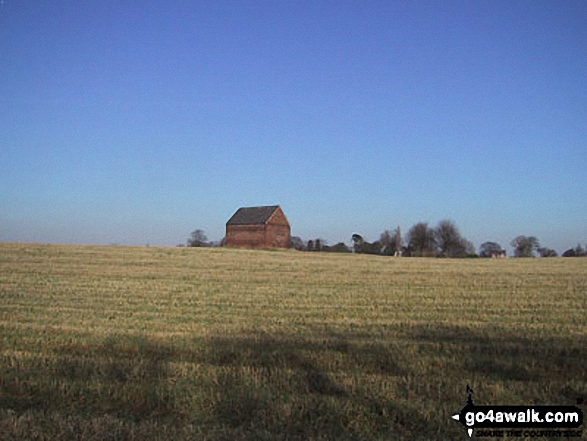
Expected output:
(171, 343)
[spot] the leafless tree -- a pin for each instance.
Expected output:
(387, 243)
(319, 244)
(339, 248)
(524, 246)
(198, 239)
(547, 252)
(450, 241)
(297, 243)
(421, 240)
(398, 242)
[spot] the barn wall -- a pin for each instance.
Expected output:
(245, 236)
(277, 233)
(278, 218)
(277, 236)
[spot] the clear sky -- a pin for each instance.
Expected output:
(137, 122)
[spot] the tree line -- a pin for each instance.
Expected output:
(444, 240)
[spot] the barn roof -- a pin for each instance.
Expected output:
(252, 215)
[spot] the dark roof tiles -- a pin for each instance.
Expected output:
(252, 215)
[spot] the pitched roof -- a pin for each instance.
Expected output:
(252, 215)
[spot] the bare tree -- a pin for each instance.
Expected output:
(469, 248)
(372, 248)
(390, 243)
(421, 240)
(339, 248)
(524, 246)
(297, 243)
(360, 245)
(398, 242)
(387, 243)
(198, 239)
(547, 252)
(319, 244)
(449, 239)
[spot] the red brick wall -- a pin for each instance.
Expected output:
(245, 236)
(277, 232)
(277, 236)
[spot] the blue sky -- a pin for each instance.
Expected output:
(137, 122)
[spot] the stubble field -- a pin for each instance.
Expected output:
(181, 343)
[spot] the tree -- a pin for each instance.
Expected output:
(525, 246)
(360, 245)
(390, 244)
(319, 244)
(578, 251)
(198, 239)
(371, 248)
(339, 248)
(310, 246)
(547, 252)
(296, 243)
(357, 242)
(469, 248)
(421, 240)
(490, 249)
(386, 241)
(450, 242)
(398, 242)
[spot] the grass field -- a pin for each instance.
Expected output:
(182, 343)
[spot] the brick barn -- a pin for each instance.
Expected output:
(258, 227)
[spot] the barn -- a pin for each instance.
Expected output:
(258, 227)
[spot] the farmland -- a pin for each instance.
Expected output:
(181, 343)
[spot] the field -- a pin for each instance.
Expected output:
(212, 344)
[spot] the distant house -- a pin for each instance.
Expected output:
(258, 227)
(501, 254)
